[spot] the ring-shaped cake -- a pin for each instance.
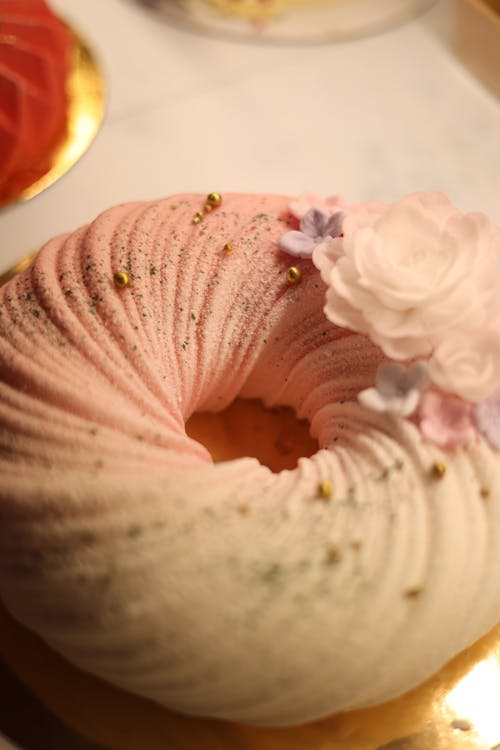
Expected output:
(224, 589)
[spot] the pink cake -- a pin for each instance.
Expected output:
(229, 590)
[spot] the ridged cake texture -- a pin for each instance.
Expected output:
(126, 549)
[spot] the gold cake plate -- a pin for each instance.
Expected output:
(86, 99)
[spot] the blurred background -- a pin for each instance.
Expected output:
(375, 116)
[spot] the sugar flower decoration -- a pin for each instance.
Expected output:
(397, 388)
(408, 273)
(305, 201)
(468, 364)
(446, 421)
(487, 415)
(315, 227)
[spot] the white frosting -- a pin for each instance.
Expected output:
(132, 557)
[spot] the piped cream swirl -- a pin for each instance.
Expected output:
(122, 544)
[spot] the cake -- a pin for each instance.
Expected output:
(232, 590)
(34, 60)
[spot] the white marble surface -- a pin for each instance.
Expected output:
(376, 117)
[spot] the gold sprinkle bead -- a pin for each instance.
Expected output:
(213, 200)
(228, 248)
(197, 217)
(121, 279)
(334, 554)
(413, 592)
(325, 489)
(485, 492)
(438, 470)
(207, 208)
(293, 275)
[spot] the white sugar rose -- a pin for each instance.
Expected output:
(407, 273)
(468, 364)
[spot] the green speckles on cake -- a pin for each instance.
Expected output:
(272, 574)
(389, 471)
(275, 576)
(153, 270)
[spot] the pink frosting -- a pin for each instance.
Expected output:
(121, 370)
(121, 543)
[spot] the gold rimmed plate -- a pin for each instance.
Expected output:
(86, 100)
(21, 265)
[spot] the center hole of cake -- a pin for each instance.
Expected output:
(247, 428)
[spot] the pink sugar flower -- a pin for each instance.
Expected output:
(446, 421)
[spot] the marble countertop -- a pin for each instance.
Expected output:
(372, 118)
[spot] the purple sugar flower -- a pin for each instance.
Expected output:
(315, 227)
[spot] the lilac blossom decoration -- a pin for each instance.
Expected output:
(397, 388)
(487, 415)
(315, 227)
